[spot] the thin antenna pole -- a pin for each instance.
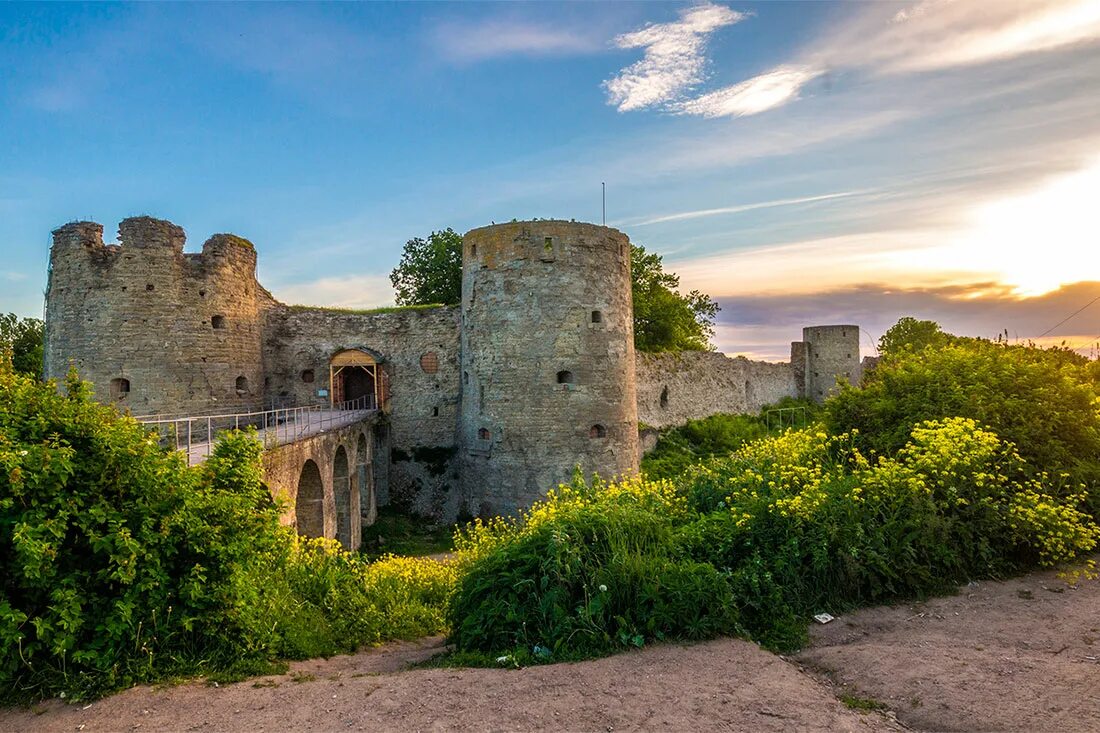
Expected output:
(603, 196)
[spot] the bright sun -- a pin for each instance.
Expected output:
(1036, 241)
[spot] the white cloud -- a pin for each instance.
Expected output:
(12, 276)
(753, 96)
(347, 291)
(495, 38)
(931, 35)
(673, 61)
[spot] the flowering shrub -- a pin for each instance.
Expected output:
(119, 564)
(787, 527)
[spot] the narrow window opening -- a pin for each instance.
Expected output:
(664, 397)
(218, 321)
(465, 377)
(120, 387)
(597, 317)
(307, 375)
(473, 250)
(483, 434)
(242, 386)
(597, 431)
(435, 412)
(149, 287)
(565, 377)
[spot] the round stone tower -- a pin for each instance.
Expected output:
(547, 360)
(832, 352)
(154, 329)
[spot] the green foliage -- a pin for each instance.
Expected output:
(593, 570)
(786, 527)
(909, 334)
(679, 448)
(1042, 400)
(665, 320)
(21, 340)
(430, 270)
(122, 565)
(399, 533)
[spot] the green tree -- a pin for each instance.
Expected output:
(665, 320)
(909, 334)
(22, 338)
(430, 270)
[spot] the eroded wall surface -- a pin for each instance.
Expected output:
(154, 329)
(676, 387)
(418, 350)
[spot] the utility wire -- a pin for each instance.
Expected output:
(1071, 315)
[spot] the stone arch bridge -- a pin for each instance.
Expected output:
(319, 461)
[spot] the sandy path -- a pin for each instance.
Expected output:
(723, 685)
(1022, 655)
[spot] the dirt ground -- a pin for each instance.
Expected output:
(1019, 655)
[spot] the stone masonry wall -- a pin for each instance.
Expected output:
(676, 387)
(547, 360)
(182, 330)
(424, 405)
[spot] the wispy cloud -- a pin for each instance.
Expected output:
(931, 35)
(701, 213)
(12, 276)
(478, 41)
(673, 61)
(753, 96)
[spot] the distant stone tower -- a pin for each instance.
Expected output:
(547, 360)
(824, 354)
(154, 329)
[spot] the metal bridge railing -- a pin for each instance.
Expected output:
(196, 435)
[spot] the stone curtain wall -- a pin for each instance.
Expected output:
(697, 384)
(424, 405)
(182, 330)
(547, 360)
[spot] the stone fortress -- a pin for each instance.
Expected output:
(483, 407)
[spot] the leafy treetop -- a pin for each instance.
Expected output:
(430, 271)
(22, 339)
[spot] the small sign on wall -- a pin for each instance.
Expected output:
(322, 393)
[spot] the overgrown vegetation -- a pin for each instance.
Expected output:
(22, 340)
(957, 459)
(122, 565)
(681, 447)
(399, 533)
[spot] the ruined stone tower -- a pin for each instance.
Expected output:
(155, 329)
(547, 360)
(824, 354)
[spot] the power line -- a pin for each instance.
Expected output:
(1071, 315)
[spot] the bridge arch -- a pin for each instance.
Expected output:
(364, 479)
(309, 504)
(341, 489)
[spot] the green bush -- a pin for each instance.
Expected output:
(593, 569)
(681, 447)
(1042, 400)
(119, 564)
(805, 523)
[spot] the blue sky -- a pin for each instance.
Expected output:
(802, 162)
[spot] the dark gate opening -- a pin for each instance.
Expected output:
(357, 381)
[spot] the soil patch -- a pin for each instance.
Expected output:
(1018, 655)
(723, 685)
